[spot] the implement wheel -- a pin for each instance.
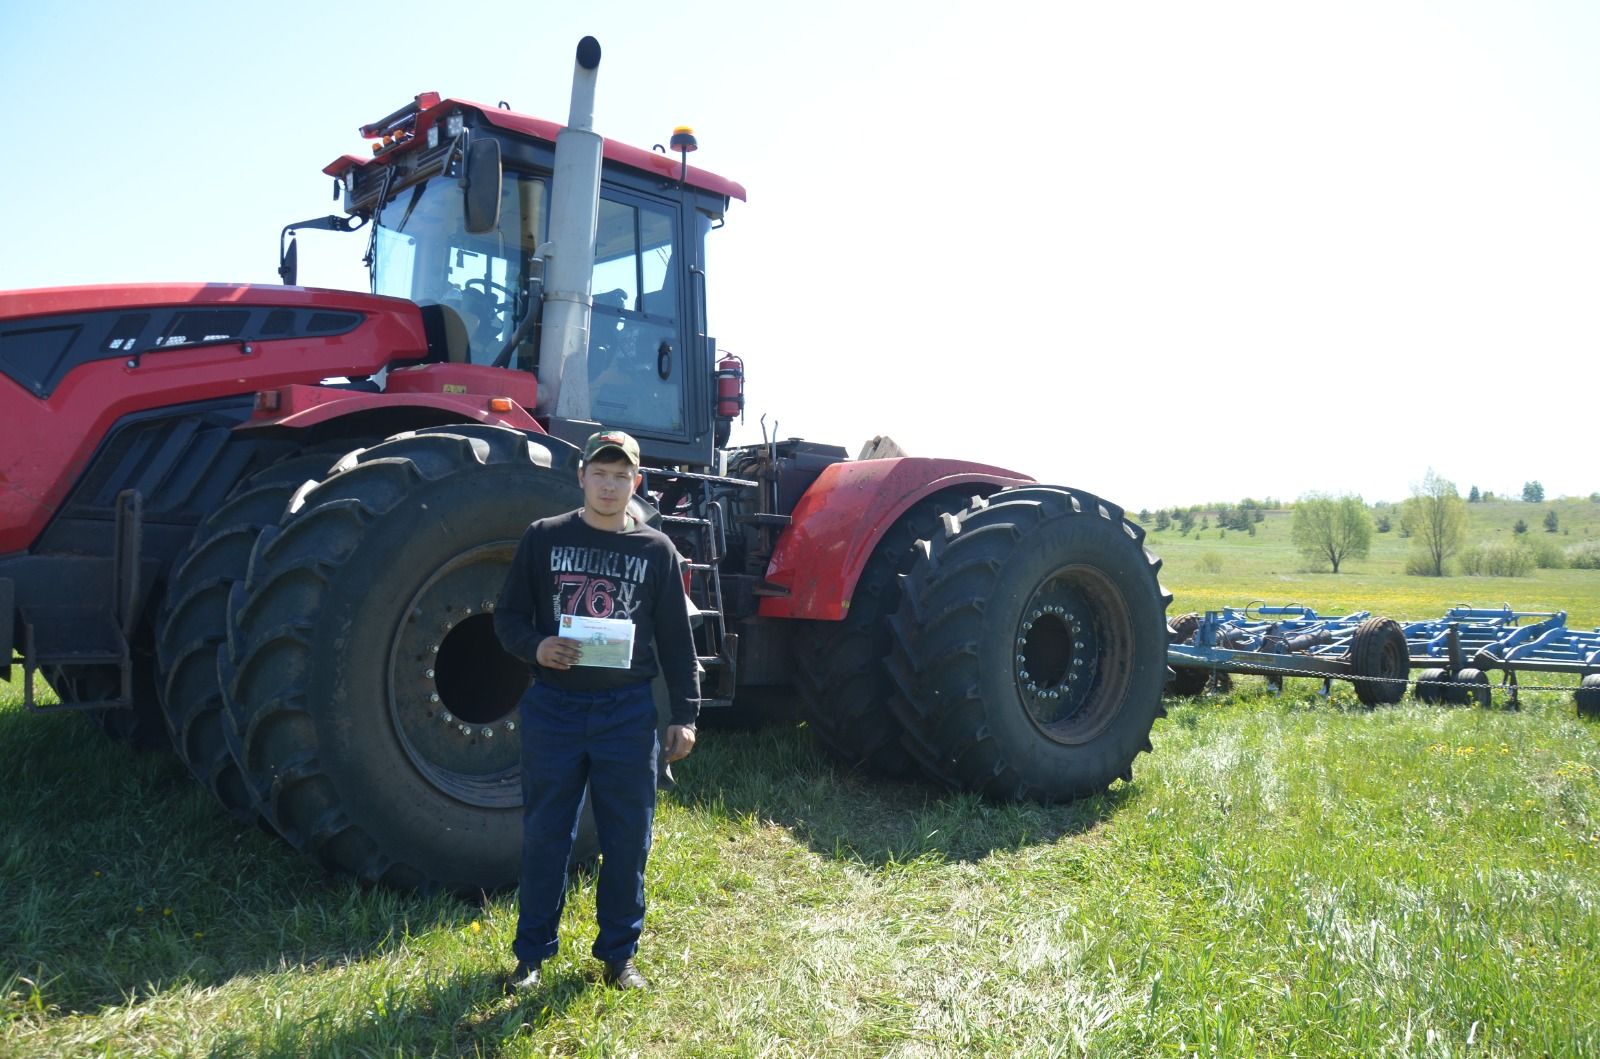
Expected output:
(1030, 646)
(1379, 661)
(1430, 686)
(839, 665)
(1187, 681)
(1477, 693)
(370, 707)
(1588, 696)
(191, 630)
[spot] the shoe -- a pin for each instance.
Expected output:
(624, 975)
(524, 978)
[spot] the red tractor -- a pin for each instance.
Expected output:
(271, 523)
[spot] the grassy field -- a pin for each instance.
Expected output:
(1287, 875)
(1217, 569)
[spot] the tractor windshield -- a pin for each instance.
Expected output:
(423, 252)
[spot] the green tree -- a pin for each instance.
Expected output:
(1144, 516)
(1163, 520)
(1472, 495)
(1331, 528)
(1520, 528)
(1533, 492)
(1436, 517)
(1551, 522)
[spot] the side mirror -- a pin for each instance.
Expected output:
(289, 254)
(289, 264)
(482, 181)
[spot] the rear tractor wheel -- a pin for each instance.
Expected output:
(370, 706)
(839, 665)
(1030, 646)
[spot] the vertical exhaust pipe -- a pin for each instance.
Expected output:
(569, 254)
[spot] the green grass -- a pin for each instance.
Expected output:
(1287, 875)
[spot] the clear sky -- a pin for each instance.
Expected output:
(1167, 251)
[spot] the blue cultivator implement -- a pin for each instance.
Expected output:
(1455, 652)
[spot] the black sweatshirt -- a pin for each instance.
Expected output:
(566, 566)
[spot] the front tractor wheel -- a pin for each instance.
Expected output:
(1030, 646)
(369, 704)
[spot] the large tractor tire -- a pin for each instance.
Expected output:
(191, 632)
(844, 687)
(370, 707)
(1030, 646)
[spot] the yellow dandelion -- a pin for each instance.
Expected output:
(97, 873)
(199, 934)
(166, 911)
(477, 927)
(138, 909)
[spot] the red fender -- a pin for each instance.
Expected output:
(841, 518)
(469, 392)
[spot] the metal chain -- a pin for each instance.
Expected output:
(1520, 687)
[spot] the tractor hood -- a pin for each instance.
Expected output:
(50, 301)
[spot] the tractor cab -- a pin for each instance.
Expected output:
(457, 200)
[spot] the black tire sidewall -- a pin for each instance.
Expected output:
(1100, 543)
(359, 749)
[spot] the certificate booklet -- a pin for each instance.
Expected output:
(607, 642)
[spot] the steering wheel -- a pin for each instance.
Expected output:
(489, 289)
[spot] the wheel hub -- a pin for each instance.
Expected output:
(1070, 654)
(453, 691)
(1056, 653)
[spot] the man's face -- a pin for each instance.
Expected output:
(607, 484)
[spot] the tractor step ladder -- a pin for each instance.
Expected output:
(73, 635)
(716, 649)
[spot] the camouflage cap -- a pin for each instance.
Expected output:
(611, 439)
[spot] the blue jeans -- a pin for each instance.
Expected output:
(608, 741)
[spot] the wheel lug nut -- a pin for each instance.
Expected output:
(487, 733)
(511, 726)
(428, 673)
(1021, 659)
(1077, 661)
(1078, 645)
(433, 648)
(465, 729)
(488, 604)
(434, 697)
(446, 718)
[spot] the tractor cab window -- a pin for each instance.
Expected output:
(423, 252)
(636, 362)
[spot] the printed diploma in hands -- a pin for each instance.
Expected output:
(606, 642)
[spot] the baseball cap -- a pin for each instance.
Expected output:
(611, 439)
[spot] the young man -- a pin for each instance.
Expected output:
(589, 716)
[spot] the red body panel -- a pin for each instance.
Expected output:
(49, 442)
(664, 166)
(464, 390)
(840, 519)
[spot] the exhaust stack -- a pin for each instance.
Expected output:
(569, 255)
